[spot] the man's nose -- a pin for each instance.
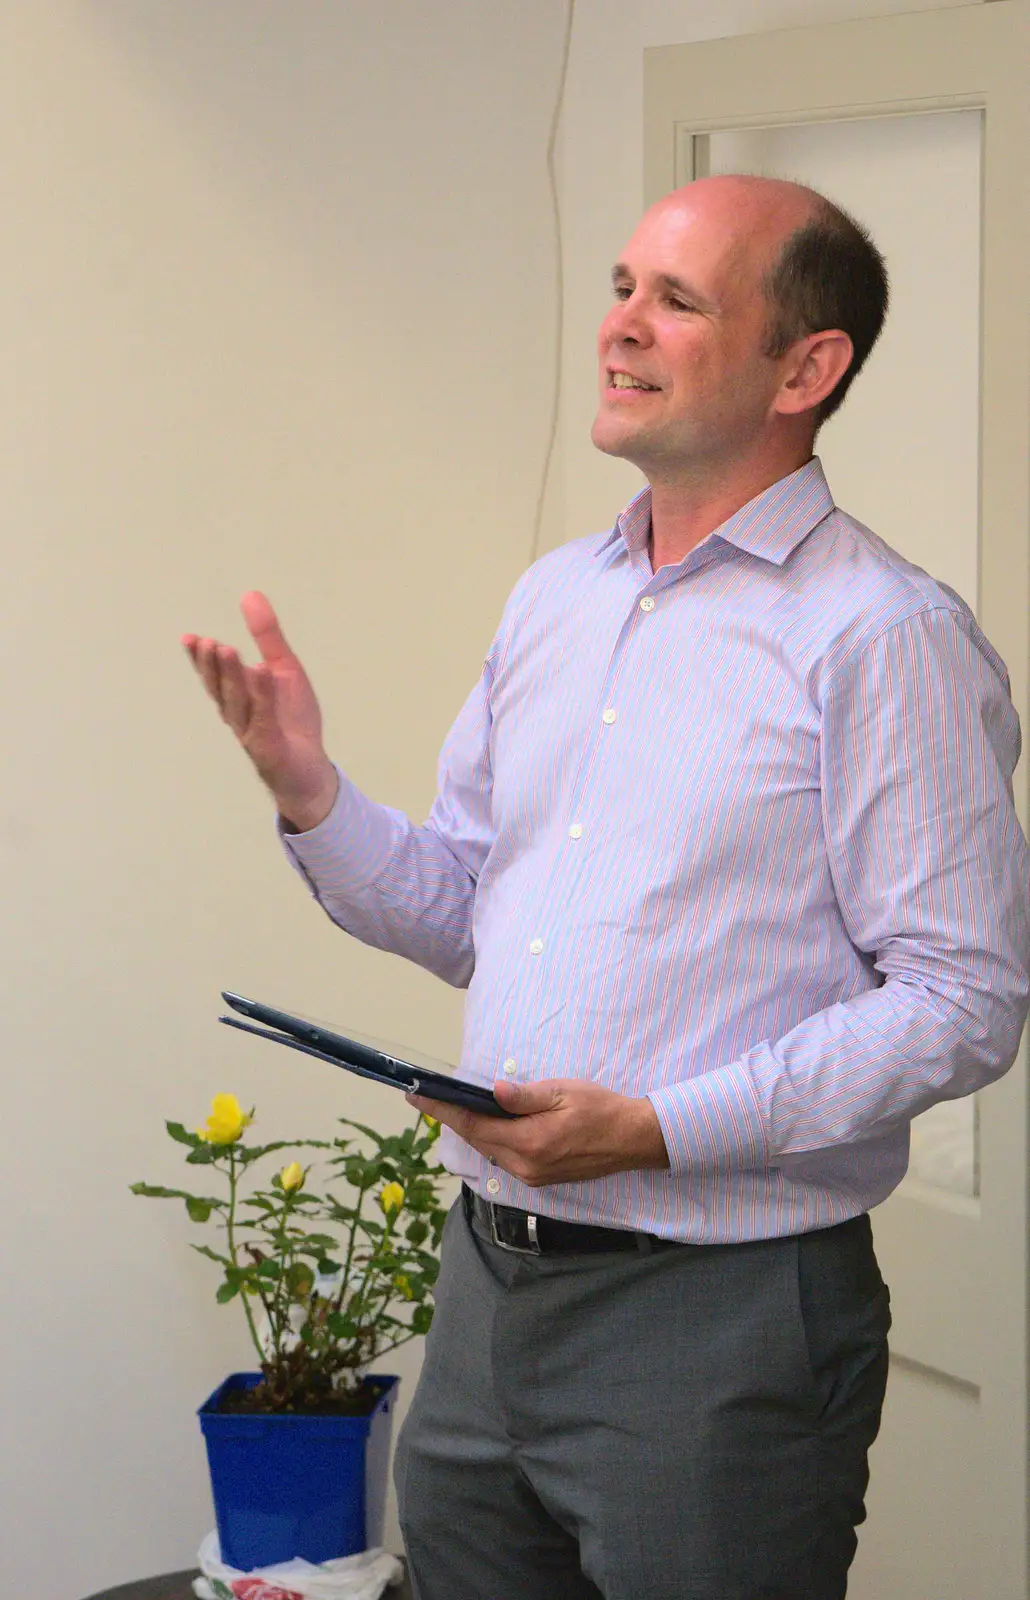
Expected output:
(626, 323)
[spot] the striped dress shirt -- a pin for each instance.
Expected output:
(737, 835)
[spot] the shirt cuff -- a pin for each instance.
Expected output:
(712, 1123)
(349, 848)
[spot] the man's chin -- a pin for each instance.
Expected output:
(614, 441)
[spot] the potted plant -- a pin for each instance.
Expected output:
(298, 1449)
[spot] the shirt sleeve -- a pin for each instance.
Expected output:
(401, 886)
(932, 876)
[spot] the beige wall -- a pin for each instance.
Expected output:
(276, 307)
(275, 291)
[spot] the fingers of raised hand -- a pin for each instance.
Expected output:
(224, 677)
(204, 655)
(235, 699)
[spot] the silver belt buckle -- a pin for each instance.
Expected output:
(533, 1248)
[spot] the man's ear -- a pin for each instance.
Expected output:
(813, 368)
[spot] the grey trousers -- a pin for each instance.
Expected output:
(692, 1423)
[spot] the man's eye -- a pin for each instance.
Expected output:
(681, 305)
(621, 291)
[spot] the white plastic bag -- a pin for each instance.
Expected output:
(360, 1577)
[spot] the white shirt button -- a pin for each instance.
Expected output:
(647, 604)
(493, 1185)
(509, 1067)
(576, 831)
(535, 946)
(609, 715)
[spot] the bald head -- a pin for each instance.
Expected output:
(741, 201)
(742, 223)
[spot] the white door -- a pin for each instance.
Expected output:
(919, 125)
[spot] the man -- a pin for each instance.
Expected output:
(725, 851)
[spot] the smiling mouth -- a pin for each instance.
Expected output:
(624, 382)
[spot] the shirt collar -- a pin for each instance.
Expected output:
(771, 526)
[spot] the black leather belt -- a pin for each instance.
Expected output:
(528, 1233)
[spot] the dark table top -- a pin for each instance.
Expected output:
(179, 1586)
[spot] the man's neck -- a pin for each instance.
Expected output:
(683, 512)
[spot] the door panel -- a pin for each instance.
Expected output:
(932, 1442)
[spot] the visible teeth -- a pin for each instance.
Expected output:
(622, 380)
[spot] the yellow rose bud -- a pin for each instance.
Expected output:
(292, 1177)
(429, 1121)
(403, 1284)
(226, 1121)
(391, 1197)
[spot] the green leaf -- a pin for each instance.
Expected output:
(254, 1152)
(182, 1135)
(421, 1319)
(212, 1255)
(341, 1327)
(328, 1267)
(202, 1155)
(226, 1291)
(195, 1203)
(362, 1127)
(417, 1231)
(300, 1278)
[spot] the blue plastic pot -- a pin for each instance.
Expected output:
(287, 1486)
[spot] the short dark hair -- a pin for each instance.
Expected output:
(829, 274)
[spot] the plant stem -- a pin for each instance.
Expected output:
(231, 1241)
(345, 1278)
(385, 1351)
(281, 1317)
(377, 1249)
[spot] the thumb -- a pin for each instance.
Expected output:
(263, 627)
(526, 1099)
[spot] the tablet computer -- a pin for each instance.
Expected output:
(367, 1060)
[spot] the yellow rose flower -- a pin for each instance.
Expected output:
(391, 1197)
(292, 1177)
(226, 1122)
(404, 1285)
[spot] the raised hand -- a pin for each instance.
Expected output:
(273, 711)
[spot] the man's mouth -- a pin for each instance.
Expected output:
(625, 380)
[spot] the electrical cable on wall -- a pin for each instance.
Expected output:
(552, 434)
